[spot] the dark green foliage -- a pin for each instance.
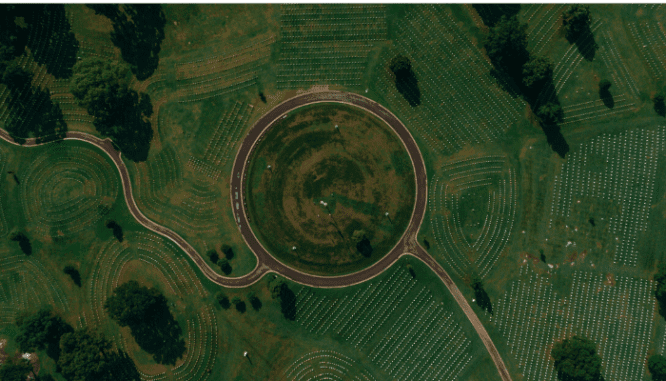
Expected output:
(576, 359)
(12, 37)
(591, 220)
(59, 54)
(659, 106)
(44, 121)
(482, 298)
(146, 312)
(86, 356)
(24, 242)
(550, 113)
(604, 93)
(660, 292)
(117, 229)
(506, 46)
(280, 291)
(138, 31)
(543, 256)
(254, 300)
(15, 370)
(536, 73)
(44, 377)
(223, 300)
(262, 97)
(240, 305)
(212, 255)
(228, 251)
(40, 331)
(101, 86)
(576, 21)
(657, 367)
(405, 80)
(426, 243)
(224, 266)
(492, 13)
(411, 271)
(362, 243)
(74, 274)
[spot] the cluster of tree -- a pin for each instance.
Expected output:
(659, 106)
(492, 13)
(576, 22)
(657, 367)
(138, 31)
(405, 80)
(224, 264)
(576, 359)
(18, 369)
(146, 312)
(660, 292)
(117, 229)
(526, 74)
(362, 242)
(225, 303)
(23, 241)
(102, 87)
(480, 295)
(73, 273)
(280, 291)
(40, 331)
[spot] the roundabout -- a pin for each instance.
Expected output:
(330, 189)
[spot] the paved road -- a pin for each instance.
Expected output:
(266, 263)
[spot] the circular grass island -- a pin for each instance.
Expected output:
(318, 195)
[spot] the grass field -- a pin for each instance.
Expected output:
(341, 156)
(564, 246)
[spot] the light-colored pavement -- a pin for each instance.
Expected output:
(266, 263)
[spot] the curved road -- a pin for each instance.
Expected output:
(266, 263)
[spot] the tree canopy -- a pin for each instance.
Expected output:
(657, 367)
(40, 331)
(131, 303)
(480, 295)
(506, 46)
(280, 291)
(576, 359)
(102, 87)
(536, 73)
(15, 370)
(576, 21)
(86, 356)
(405, 79)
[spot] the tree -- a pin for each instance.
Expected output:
(23, 241)
(405, 80)
(131, 303)
(362, 243)
(480, 295)
(506, 46)
(74, 274)
(224, 266)
(102, 87)
(254, 300)
(238, 303)
(223, 300)
(660, 291)
(536, 73)
(550, 113)
(411, 270)
(604, 85)
(604, 93)
(280, 291)
(212, 255)
(228, 252)
(117, 229)
(659, 105)
(15, 370)
(42, 330)
(657, 367)
(86, 356)
(576, 359)
(576, 21)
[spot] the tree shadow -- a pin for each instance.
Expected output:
(660, 107)
(160, 335)
(408, 85)
(607, 98)
(506, 83)
(287, 302)
(255, 303)
(241, 307)
(586, 44)
(59, 54)
(364, 247)
(123, 368)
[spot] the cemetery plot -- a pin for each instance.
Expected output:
(610, 179)
(325, 365)
(650, 39)
(65, 189)
(26, 285)
(472, 207)
(460, 103)
(326, 43)
(543, 24)
(617, 315)
(405, 332)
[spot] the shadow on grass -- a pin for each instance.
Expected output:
(586, 44)
(160, 336)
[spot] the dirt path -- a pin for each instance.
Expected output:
(267, 263)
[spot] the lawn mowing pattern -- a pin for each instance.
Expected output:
(222, 144)
(325, 365)
(460, 103)
(25, 285)
(327, 43)
(63, 188)
(222, 74)
(396, 322)
(177, 275)
(473, 176)
(619, 169)
(616, 314)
